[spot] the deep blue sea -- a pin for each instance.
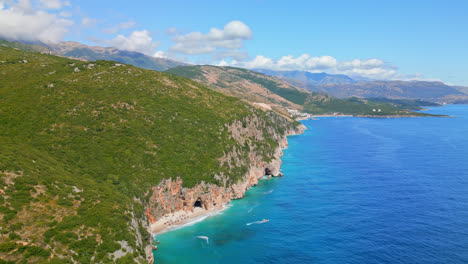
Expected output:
(356, 190)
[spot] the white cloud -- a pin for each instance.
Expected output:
(370, 68)
(54, 4)
(140, 41)
(231, 36)
(223, 63)
(19, 21)
(362, 64)
(65, 14)
(160, 54)
(260, 62)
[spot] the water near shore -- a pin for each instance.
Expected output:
(356, 190)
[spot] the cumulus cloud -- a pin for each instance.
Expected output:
(370, 68)
(160, 54)
(65, 14)
(140, 41)
(54, 4)
(19, 21)
(231, 36)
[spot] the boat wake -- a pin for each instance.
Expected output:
(258, 222)
(270, 191)
(204, 238)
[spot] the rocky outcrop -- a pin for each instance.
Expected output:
(170, 196)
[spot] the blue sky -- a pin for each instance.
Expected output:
(376, 39)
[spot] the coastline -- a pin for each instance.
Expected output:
(180, 218)
(312, 117)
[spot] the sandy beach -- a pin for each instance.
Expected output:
(179, 219)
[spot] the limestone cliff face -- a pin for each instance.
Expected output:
(258, 134)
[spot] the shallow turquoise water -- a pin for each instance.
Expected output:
(356, 190)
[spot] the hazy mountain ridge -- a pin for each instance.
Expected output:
(33, 47)
(75, 50)
(91, 53)
(424, 90)
(308, 77)
(342, 86)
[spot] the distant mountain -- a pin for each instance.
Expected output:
(25, 46)
(429, 91)
(308, 77)
(342, 86)
(80, 51)
(258, 88)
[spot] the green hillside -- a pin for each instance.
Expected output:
(25, 47)
(245, 84)
(82, 143)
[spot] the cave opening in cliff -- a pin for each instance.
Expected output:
(198, 203)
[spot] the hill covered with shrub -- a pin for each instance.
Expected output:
(82, 143)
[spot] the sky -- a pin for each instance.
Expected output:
(405, 40)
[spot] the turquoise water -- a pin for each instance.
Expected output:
(356, 190)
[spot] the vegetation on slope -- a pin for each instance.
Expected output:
(407, 104)
(245, 84)
(82, 143)
(23, 46)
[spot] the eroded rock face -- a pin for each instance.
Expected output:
(170, 196)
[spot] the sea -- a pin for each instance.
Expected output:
(355, 190)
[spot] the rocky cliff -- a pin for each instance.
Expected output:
(170, 196)
(261, 155)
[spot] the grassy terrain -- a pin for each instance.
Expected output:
(82, 143)
(357, 106)
(407, 104)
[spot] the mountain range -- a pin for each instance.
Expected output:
(308, 77)
(337, 85)
(80, 51)
(343, 86)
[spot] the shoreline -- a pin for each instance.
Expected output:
(181, 218)
(312, 117)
